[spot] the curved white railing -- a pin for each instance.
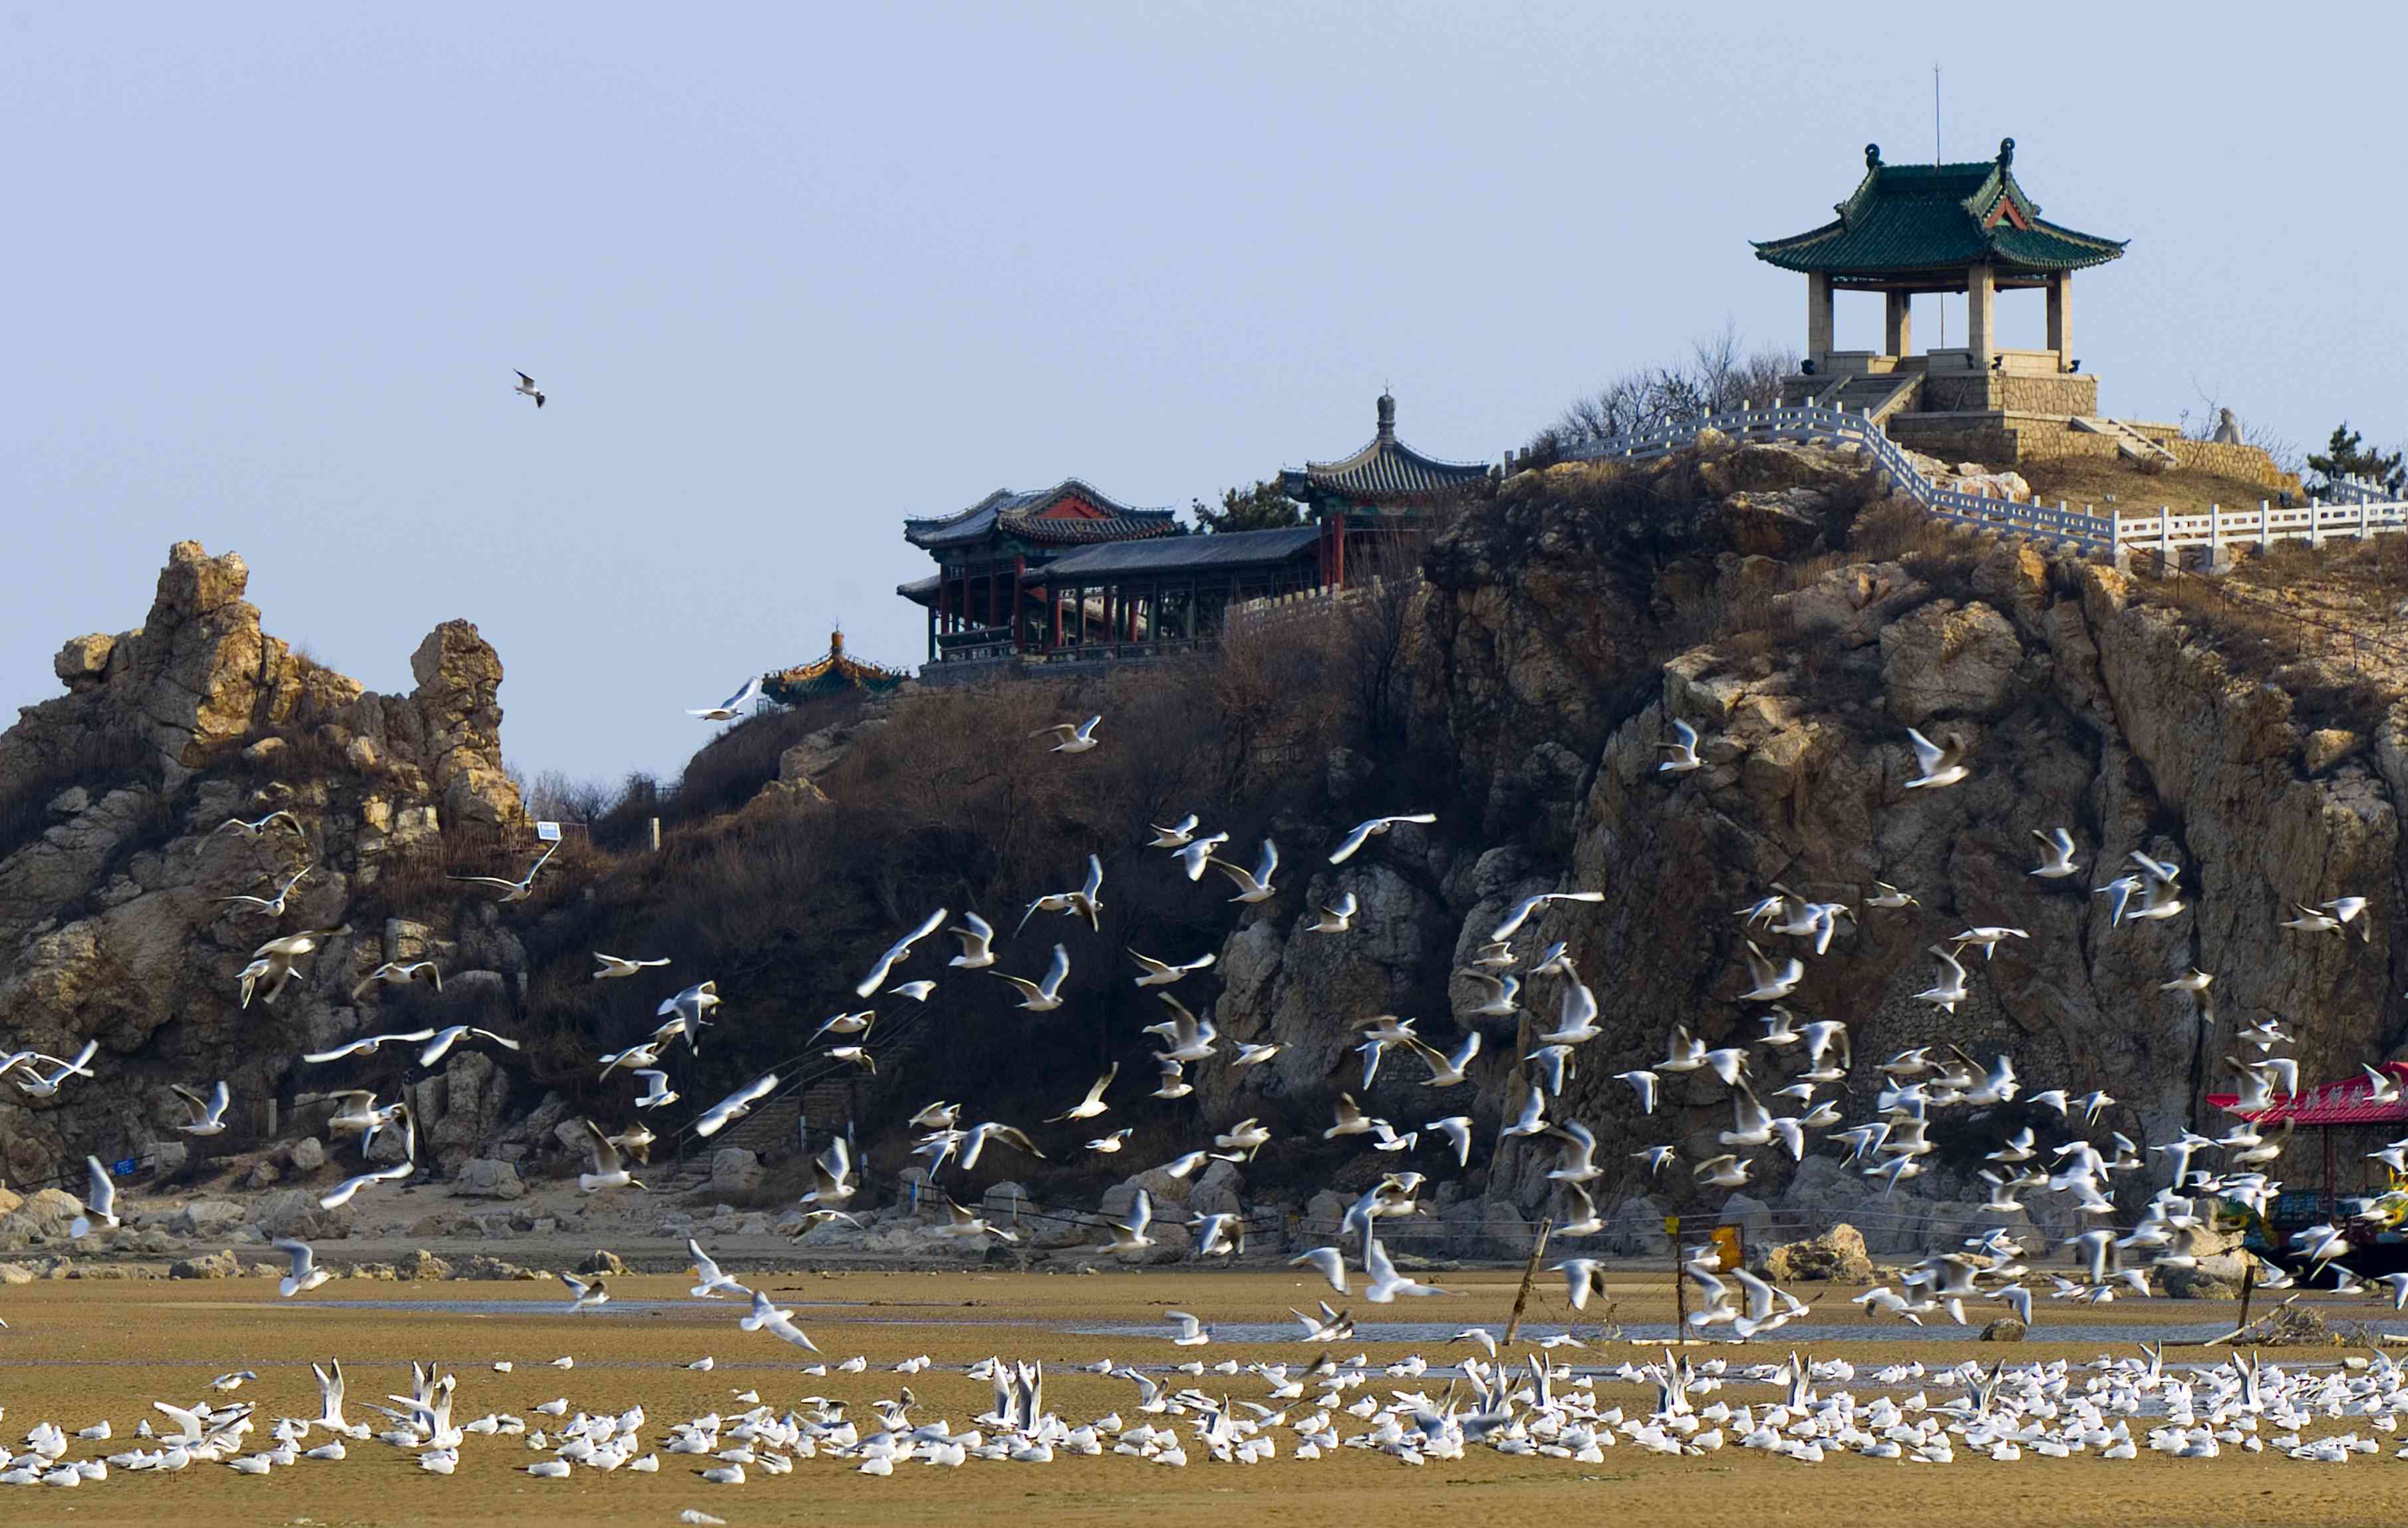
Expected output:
(2367, 513)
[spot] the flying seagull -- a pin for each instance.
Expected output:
(1255, 885)
(610, 1168)
(99, 1201)
(977, 937)
(398, 974)
(1046, 996)
(733, 706)
(1362, 833)
(615, 965)
(366, 1045)
(1520, 910)
(512, 891)
(1070, 739)
(272, 906)
(2056, 862)
(1683, 753)
(527, 388)
(444, 1039)
(734, 1105)
(1939, 765)
(897, 952)
(254, 828)
(307, 1276)
(1178, 835)
(208, 1114)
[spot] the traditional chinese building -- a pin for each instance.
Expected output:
(984, 554)
(1387, 489)
(1067, 575)
(1967, 228)
(833, 672)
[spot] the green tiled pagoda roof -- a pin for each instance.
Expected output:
(1907, 217)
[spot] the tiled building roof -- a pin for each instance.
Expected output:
(1906, 218)
(1385, 470)
(1179, 554)
(1024, 515)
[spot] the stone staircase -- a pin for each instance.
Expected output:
(2130, 444)
(1879, 395)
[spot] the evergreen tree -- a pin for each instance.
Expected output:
(2346, 456)
(1265, 506)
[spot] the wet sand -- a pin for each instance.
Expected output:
(82, 1350)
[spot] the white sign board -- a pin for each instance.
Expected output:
(547, 832)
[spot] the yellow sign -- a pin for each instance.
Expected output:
(1672, 1225)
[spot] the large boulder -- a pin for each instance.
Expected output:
(208, 1219)
(308, 1154)
(483, 1178)
(418, 1263)
(459, 676)
(734, 1170)
(1217, 1190)
(1837, 1256)
(42, 1219)
(220, 1263)
(477, 1091)
(297, 1213)
(1942, 659)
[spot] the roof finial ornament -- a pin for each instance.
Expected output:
(2006, 153)
(1872, 156)
(835, 639)
(1387, 415)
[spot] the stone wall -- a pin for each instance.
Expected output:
(2247, 462)
(1991, 392)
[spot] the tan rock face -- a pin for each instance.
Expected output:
(109, 926)
(458, 678)
(1552, 625)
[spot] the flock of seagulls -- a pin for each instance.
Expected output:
(2049, 1409)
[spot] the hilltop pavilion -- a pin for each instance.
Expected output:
(1967, 228)
(1383, 489)
(832, 672)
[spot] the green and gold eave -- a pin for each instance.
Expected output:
(1908, 222)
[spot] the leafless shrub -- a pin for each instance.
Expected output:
(1718, 373)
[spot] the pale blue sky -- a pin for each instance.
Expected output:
(793, 273)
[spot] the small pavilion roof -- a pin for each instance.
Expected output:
(2347, 1102)
(1385, 469)
(831, 671)
(1903, 218)
(1068, 513)
(1181, 553)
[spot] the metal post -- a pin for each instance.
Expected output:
(2248, 1287)
(2165, 539)
(1680, 1282)
(653, 830)
(2265, 532)
(1529, 1271)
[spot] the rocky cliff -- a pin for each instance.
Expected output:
(1550, 661)
(1770, 596)
(115, 857)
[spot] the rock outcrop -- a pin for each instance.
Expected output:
(112, 797)
(1563, 626)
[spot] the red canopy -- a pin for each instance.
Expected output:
(2348, 1102)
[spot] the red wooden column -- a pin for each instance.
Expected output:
(1340, 579)
(1053, 598)
(1019, 571)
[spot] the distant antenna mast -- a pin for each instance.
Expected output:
(1935, 160)
(1935, 114)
